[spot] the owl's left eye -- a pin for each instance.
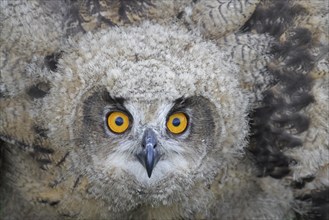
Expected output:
(177, 123)
(118, 122)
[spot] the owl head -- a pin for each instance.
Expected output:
(151, 111)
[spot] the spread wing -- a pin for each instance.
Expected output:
(290, 127)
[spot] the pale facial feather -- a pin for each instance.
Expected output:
(122, 161)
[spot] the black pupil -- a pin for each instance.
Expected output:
(119, 121)
(176, 122)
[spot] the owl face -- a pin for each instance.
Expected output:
(149, 141)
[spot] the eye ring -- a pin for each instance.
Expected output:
(118, 122)
(177, 123)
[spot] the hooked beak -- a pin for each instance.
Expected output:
(149, 156)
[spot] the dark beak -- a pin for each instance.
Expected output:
(149, 155)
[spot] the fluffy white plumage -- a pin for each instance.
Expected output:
(252, 77)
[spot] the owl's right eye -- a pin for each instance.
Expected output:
(118, 122)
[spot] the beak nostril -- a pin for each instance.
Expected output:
(149, 137)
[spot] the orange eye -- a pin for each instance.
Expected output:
(118, 122)
(177, 123)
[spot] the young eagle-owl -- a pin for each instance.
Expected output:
(145, 109)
